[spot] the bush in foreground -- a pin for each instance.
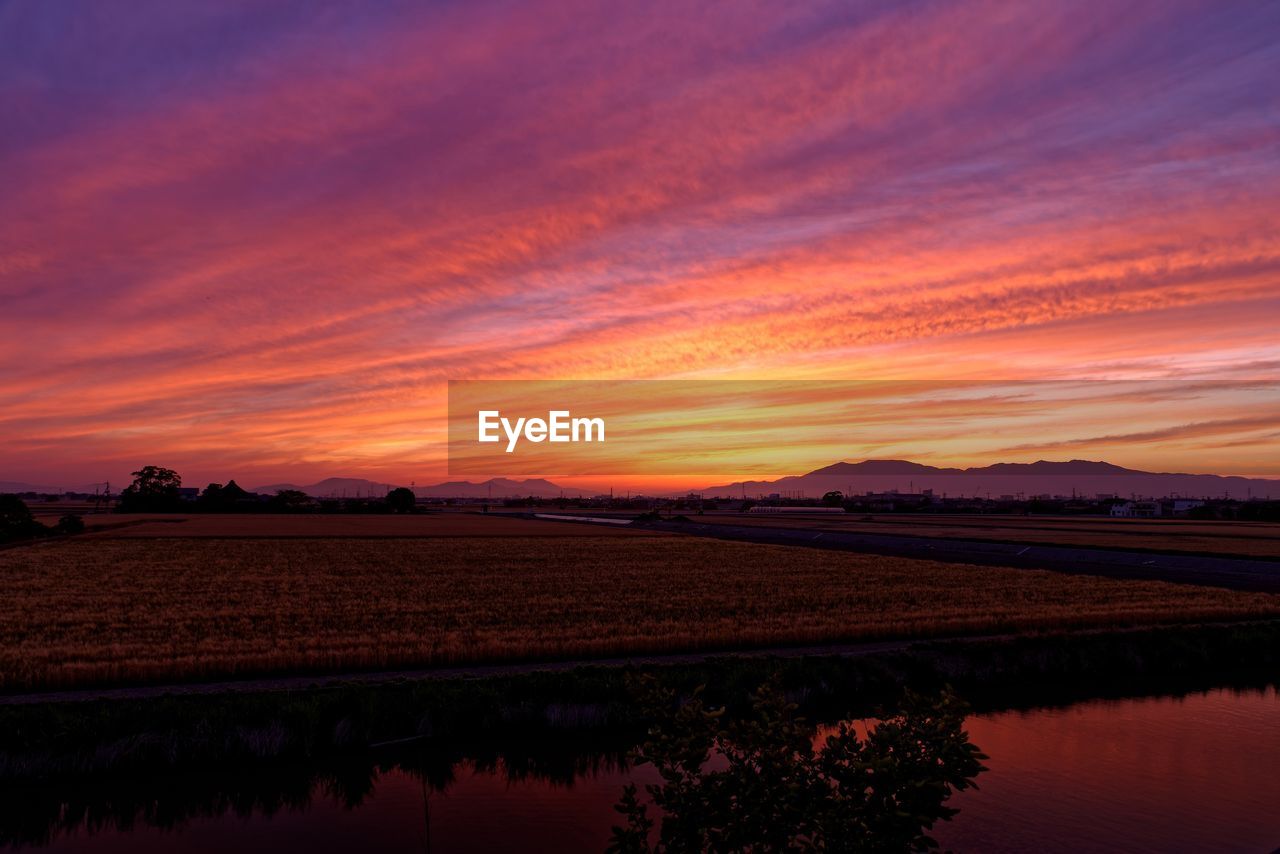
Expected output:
(759, 784)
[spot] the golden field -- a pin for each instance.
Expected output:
(96, 611)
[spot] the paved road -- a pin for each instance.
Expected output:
(1214, 571)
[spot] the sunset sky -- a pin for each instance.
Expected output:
(255, 240)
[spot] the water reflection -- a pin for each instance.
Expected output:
(1196, 773)
(346, 796)
(1160, 774)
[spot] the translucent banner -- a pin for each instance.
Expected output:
(739, 427)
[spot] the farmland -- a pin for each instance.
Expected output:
(116, 609)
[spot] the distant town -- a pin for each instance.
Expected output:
(369, 497)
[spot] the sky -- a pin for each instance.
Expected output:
(255, 240)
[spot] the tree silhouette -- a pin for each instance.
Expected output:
(401, 500)
(290, 501)
(771, 790)
(154, 489)
(212, 494)
(16, 521)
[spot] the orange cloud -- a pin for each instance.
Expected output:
(241, 240)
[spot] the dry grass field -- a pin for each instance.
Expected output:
(1244, 539)
(107, 611)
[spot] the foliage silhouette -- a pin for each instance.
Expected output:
(70, 523)
(757, 783)
(211, 496)
(401, 500)
(16, 521)
(154, 489)
(291, 501)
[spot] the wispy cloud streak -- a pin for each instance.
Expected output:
(264, 235)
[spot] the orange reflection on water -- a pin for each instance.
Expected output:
(1161, 774)
(1195, 773)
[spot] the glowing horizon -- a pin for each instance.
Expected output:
(255, 242)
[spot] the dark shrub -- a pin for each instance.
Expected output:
(16, 521)
(70, 524)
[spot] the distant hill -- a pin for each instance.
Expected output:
(1088, 478)
(20, 486)
(333, 487)
(878, 467)
(498, 487)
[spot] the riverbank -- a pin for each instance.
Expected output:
(109, 737)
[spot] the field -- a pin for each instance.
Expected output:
(100, 610)
(1242, 539)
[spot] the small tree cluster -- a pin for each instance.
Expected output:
(17, 523)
